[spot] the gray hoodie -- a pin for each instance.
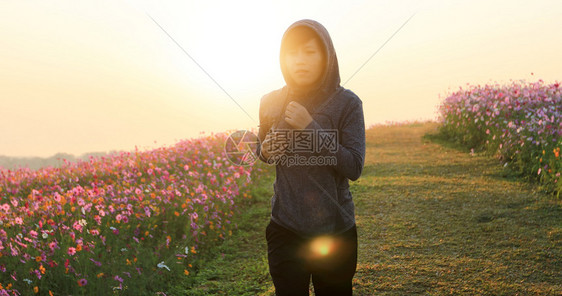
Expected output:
(312, 197)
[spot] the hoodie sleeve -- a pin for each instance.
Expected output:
(264, 127)
(270, 108)
(350, 153)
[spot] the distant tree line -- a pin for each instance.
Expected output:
(34, 163)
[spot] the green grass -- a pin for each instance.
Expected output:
(432, 220)
(238, 266)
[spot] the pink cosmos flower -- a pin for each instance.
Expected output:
(57, 197)
(96, 262)
(71, 251)
(14, 252)
(77, 226)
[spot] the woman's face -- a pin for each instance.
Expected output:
(305, 63)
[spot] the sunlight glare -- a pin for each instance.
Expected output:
(238, 52)
(322, 246)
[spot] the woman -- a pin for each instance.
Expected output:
(313, 130)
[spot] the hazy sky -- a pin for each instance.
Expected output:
(88, 76)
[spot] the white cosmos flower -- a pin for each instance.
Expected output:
(162, 265)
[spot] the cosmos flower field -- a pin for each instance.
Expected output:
(520, 123)
(135, 223)
(127, 224)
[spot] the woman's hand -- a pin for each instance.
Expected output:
(297, 116)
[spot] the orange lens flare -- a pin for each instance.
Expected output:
(322, 246)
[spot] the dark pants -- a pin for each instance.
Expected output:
(331, 261)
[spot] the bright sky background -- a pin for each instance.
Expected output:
(99, 75)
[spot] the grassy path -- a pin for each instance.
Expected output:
(431, 220)
(435, 221)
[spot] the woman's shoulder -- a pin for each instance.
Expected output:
(350, 96)
(274, 96)
(346, 98)
(271, 104)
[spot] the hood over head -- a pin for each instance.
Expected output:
(329, 81)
